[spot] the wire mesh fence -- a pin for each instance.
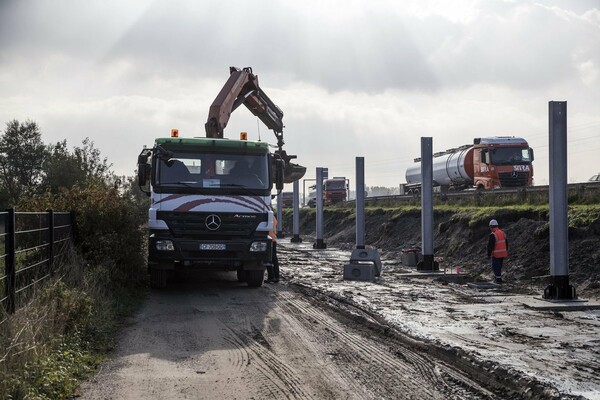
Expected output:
(31, 245)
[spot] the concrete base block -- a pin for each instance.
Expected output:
(542, 304)
(319, 244)
(359, 272)
(367, 255)
(410, 259)
(296, 239)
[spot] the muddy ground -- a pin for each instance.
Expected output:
(559, 348)
(460, 242)
(316, 336)
(218, 339)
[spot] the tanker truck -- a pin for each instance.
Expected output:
(489, 163)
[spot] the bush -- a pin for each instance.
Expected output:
(48, 345)
(108, 228)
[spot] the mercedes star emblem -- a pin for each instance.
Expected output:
(515, 174)
(213, 222)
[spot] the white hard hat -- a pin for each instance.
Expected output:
(493, 223)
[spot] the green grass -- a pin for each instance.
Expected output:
(579, 215)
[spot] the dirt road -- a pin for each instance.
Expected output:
(218, 339)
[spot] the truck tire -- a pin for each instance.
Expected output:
(241, 275)
(158, 278)
(254, 278)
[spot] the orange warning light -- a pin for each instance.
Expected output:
(243, 135)
(174, 132)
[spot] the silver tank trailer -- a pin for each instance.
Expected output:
(448, 169)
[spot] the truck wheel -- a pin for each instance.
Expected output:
(255, 278)
(241, 275)
(158, 278)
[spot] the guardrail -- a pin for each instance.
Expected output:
(31, 243)
(522, 191)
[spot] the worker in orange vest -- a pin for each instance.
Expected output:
(497, 249)
(273, 268)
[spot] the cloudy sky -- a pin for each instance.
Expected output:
(354, 78)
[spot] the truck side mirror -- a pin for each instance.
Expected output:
(143, 171)
(530, 154)
(484, 158)
(279, 167)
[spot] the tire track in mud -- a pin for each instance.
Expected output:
(279, 379)
(239, 356)
(493, 378)
(402, 373)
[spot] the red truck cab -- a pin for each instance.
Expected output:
(501, 162)
(335, 190)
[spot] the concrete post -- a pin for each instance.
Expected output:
(427, 205)
(296, 228)
(559, 289)
(319, 244)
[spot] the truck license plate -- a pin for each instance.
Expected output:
(212, 246)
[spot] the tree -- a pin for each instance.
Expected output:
(22, 154)
(90, 162)
(65, 169)
(132, 191)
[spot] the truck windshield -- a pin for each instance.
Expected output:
(335, 185)
(229, 172)
(510, 155)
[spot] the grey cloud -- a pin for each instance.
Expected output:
(370, 54)
(376, 50)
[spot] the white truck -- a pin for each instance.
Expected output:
(211, 197)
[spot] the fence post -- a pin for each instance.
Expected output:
(11, 278)
(51, 241)
(73, 228)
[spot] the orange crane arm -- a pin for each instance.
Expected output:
(242, 88)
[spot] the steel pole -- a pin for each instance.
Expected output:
(427, 204)
(319, 244)
(279, 232)
(360, 202)
(296, 228)
(559, 235)
(303, 192)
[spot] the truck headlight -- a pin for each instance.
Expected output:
(165, 245)
(256, 247)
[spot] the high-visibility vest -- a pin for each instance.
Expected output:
(273, 233)
(500, 250)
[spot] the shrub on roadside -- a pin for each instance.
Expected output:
(108, 228)
(48, 345)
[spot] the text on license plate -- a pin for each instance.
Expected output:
(212, 246)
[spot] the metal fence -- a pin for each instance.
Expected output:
(31, 244)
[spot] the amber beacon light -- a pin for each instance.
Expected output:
(174, 132)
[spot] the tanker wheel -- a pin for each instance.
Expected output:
(158, 278)
(241, 275)
(254, 278)
(480, 188)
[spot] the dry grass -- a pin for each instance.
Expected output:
(49, 344)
